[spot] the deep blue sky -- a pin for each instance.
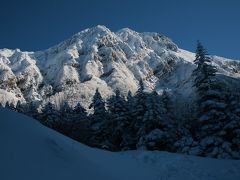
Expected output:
(39, 24)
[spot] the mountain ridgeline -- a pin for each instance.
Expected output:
(128, 90)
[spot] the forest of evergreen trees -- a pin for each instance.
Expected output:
(147, 120)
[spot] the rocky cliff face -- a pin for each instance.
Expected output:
(98, 58)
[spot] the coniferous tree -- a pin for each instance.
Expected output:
(128, 130)
(139, 106)
(137, 111)
(118, 113)
(99, 122)
(79, 112)
(65, 124)
(155, 130)
(49, 115)
(168, 108)
(99, 107)
(232, 125)
(117, 107)
(167, 103)
(66, 112)
(80, 129)
(31, 109)
(129, 98)
(211, 105)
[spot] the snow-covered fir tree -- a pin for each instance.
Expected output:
(129, 98)
(168, 108)
(66, 112)
(31, 109)
(119, 116)
(166, 101)
(65, 123)
(50, 116)
(80, 127)
(232, 125)
(117, 107)
(80, 112)
(154, 134)
(137, 109)
(129, 138)
(99, 122)
(211, 116)
(98, 105)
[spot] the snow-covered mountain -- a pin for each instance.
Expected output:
(31, 151)
(98, 58)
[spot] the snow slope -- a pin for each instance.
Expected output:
(31, 151)
(99, 58)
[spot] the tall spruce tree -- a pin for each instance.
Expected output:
(118, 112)
(211, 105)
(117, 107)
(80, 129)
(128, 130)
(167, 104)
(66, 123)
(232, 125)
(49, 115)
(99, 106)
(139, 106)
(99, 122)
(154, 131)
(31, 109)
(137, 111)
(129, 98)
(79, 109)
(79, 112)
(66, 112)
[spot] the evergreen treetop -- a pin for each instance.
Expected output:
(97, 103)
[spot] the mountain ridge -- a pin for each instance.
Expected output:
(98, 58)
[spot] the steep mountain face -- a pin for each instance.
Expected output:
(98, 58)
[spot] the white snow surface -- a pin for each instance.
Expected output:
(98, 58)
(31, 151)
